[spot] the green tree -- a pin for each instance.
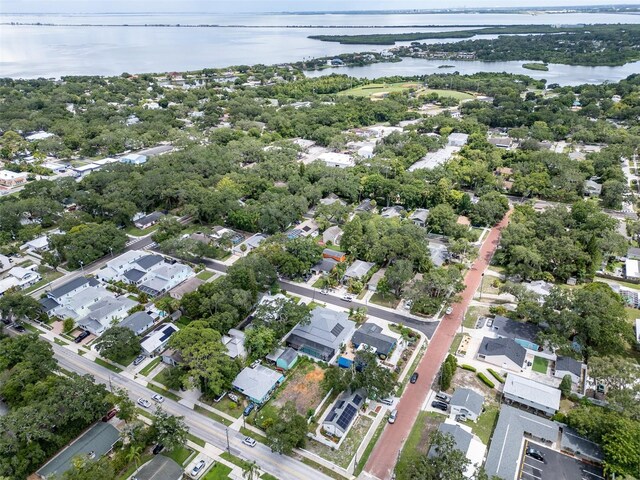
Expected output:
(287, 431)
(169, 430)
(368, 374)
(87, 469)
(259, 341)
(118, 344)
(448, 463)
(126, 407)
(88, 242)
(68, 324)
(398, 274)
(250, 470)
(565, 385)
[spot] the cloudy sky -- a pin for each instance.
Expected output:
(213, 6)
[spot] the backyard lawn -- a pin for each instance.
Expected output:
(343, 455)
(483, 428)
(179, 455)
(540, 365)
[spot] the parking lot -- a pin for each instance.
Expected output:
(556, 466)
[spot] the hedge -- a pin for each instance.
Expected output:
(485, 380)
(471, 368)
(496, 375)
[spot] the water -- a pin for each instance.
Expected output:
(54, 51)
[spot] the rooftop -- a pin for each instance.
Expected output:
(571, 441)
(137, 321)
(503, 346)
(532, 391)
(256, 382)
(505, 327)
(371, 334)
(469, 399)
(568, 364)
(158, 337)
(160, 468)
(358, 269)
(70, 286)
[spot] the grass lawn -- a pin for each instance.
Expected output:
(632, 314)
(136, 232)
(235, 460)
(250, 433)
(321, 468)
(46, 278)
(218, 472)
(132, 467)
(342, 456)
(456, 343)
(472, 315)
(378, 88)
(388, 300)
(540, 365)
(205, 275)
(32, 329)
(104, 364)
(196, 440)
(152, 364)
(268, 476)
(212, 415)
(483, 428)
(447, 93)
(163, 392)
(229, 407)
(319, 283)
(314, 304)
(417, 442)
(179, 455)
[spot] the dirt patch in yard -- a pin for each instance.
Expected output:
(303, 389)
(467, 379)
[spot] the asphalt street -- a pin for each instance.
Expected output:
(281, 466)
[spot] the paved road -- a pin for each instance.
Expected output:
(281, 466)
(385, 453)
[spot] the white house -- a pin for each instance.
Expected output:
(502, 352)
(9, 179)
(457, 139)
(338, 160)
(156, 341)
(467, 402)
(19, 278)
(531, 394)
(250, 244)
(341, 416)
(632, 269)
(104, 313)
(134, 159)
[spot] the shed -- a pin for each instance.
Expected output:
(287, 359)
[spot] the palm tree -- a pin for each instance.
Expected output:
(250, 471)
(135, 451)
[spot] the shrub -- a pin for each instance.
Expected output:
(565, 385)
(485, 380)
(471, 368)
(496, 375)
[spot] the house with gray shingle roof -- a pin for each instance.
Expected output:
(467, 402)
(357, 270)
(138, 322)
(257, 383)
(502, 352)
(371, 334)
(466, 442)
(569, 366)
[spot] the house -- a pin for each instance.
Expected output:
(523, 333)
(69, 289)
(457, 139)
(370, 334)
(39, 244)
(85, 301)
(134, 159)
(220, 233)
(332, 235)
(185, 287)
(467, 402)
(19, 278)
(466, 442)
(375, 279)
(569, 366)
(172, 357)
(336, 62)
(338, 160)
(287, 359)
(95, 442)
(533, 395)
(5, 263)
(157, 340)
(392, 212)
(539, 287)
(632, 269)
(419, 217)
(308, 228)
(592, 188)
(9, 179)
(84, 170)
(507, 442)
(324, 266)
(502, 352)
(257, 383)
(160, 467)
(334, 254)
(575, 445)
(501, 142)
(148, 220)
(633, 253)
(439, 253)
(138, 322)
(367, 206)
(234, 341)
(342, 414)
(331, 199)
(40, 135)
(103, 313)
(357, 270)
(249, 244)
(323, 335)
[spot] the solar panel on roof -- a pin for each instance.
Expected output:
(331, 416)
(335, 331)
(167, 333)
(346, 417)
(357, 399)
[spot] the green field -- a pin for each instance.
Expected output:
(540, 364)
(379, 88)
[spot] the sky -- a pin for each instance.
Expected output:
(228, 6)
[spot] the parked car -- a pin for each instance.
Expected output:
(449, 311)
(82, 336)
(197, 468)
(6, 321)
(443, 397)
(143, 402)
(249, 441)
(324, 292)
(536, 454)
(393, 416)
(19, 328)
(414, 377)
(461, 418)
(489, 322)
(408, 304)
(233, 397)
(248, 410)
(110, 414)
(439, 405)
(157, 398)
(139, 359)
(158, 448)
(386, 401)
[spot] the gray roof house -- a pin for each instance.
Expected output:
(234, 341)
(467, 402)
(257, 383)
(507, 442)
(502, 352)
(250, 244)
(148, 220)
(371, 334)
(332, 234)
(71, 288)
(98, 439)
(375, 279)
(358, 270)
(592, 188)
(344, 411)
(531, 394)
(523, 333)
(633, 253)
(324, 334)
(419, 216)
(160, 468)
(138, 322)
(324, 266)
(569, 366)
(392, 212)
(366, 206)
(464, 441)
(103, 313)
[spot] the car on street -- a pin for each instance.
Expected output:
(408, 304)
(82, 336)
(449, 311)
(158, 448)
(143, 402)
(197, 468)
(139, 359)
(248, 410)
(249, 441)
(414, 377)
(535, 454)
(393, 416)
(348, 298)
(439, 405)
(324, 292)
(157, 398)
(6, 321)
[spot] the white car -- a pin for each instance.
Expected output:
(449, 311)
(347, 298)
(157, 398)
(197, 468)
(143, 402)
(249, 441)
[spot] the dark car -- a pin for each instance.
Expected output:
(82, 336)
(439, 405)
(19, 328)
(6, 321)
(535, 454)
(158, 448)
(414, 377)
(110, 414)
(248, 410)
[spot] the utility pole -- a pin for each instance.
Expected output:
(481, 284)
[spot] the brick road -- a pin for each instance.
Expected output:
(385, 454)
